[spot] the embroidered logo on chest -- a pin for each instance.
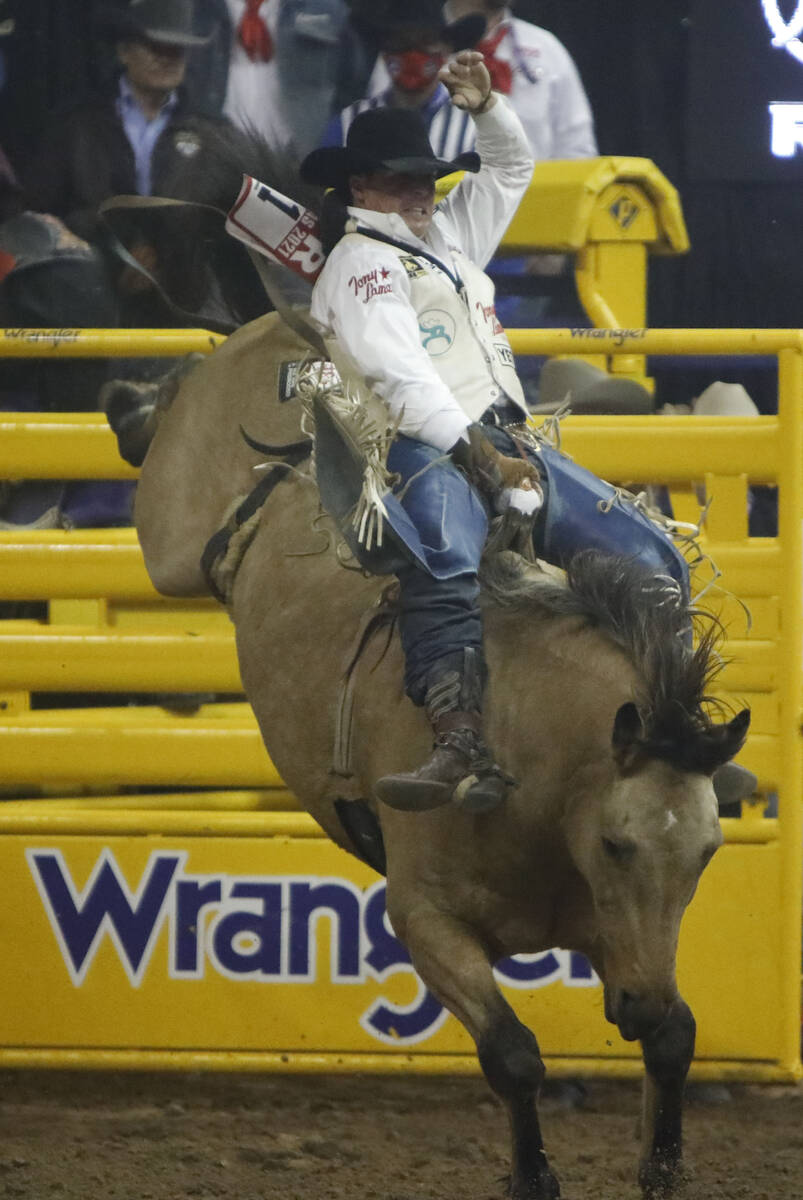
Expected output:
(488, 314)
(437, 331)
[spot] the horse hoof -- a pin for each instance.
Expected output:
(660, 1179)
(545, 1187)
(130, 408)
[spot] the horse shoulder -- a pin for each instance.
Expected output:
(198, 465)
(297, 614)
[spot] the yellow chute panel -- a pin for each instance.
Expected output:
(576, 201)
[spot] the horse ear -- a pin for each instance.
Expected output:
(628, 730)
(719, 744)
(735, 734)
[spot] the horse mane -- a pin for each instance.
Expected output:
(647, 617)
(214, 176)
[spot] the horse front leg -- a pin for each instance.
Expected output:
(455, 966)
(668, 1052)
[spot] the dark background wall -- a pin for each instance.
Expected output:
(632, 55)
(49, 60)
(635, 58)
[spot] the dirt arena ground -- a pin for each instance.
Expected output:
(112, 1136)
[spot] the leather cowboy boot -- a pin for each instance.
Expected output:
(460, 769)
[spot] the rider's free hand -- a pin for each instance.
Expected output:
(468, 82)
(505, 481)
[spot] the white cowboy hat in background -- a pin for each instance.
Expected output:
(724, 400)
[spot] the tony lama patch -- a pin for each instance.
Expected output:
(373, 283)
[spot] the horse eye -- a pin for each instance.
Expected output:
(620, 852)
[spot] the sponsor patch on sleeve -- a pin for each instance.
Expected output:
(412, 266)
(373, 283)
(504, 353)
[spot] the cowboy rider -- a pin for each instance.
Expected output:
(402, 302)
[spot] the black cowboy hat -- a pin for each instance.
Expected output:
(166, 21)
(397, 16)
(382, 139)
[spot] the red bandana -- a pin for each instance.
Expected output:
(413, 70)
(254, 34)
(500, 72)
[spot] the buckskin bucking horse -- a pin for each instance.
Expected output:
(600, 846)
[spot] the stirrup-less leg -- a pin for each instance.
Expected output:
(460, 770)
(583, 512)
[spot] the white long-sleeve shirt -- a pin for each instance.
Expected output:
(254, 92)
(362, 298)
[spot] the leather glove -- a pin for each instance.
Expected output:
(503, 480)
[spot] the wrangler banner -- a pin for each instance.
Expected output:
(246, 945)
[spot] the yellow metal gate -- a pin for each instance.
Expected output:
(219, 928)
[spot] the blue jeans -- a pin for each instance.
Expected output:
(439, 591)
(439, 595)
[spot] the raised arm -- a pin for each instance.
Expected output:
(482, 206)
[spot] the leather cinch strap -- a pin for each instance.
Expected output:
(218, 545)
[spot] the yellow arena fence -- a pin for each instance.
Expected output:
(217, 927)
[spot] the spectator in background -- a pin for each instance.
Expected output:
(128, 140)
(142, 137)
(414, 41)
(289, 62)
(537, 74)
(133, 139)
(529, 66)
(50, 277)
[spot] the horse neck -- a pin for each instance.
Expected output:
(552, 717)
